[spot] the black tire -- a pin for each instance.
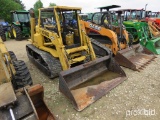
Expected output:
(135, 36)
(3, 37)
(10, 34)
(12, 55)
(2, 33)
(131, 38)
(22, 76)
(18, 32)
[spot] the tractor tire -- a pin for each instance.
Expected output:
(17, 33)
(2, 33)
(10, 34)
(3, 37)
(12, 55)
(131, 38)
(22, 77)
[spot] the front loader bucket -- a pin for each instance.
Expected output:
(153, 45)
(86, 83)
(135, 57)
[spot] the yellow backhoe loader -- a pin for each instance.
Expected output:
(19, 100)
(107, 28)
(59, 46)
(154, 29)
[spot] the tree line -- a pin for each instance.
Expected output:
(10, 5)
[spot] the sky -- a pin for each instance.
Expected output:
(91, 5)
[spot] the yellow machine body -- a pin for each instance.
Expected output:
(59, 46)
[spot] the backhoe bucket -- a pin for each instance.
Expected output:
(26, 103)
(135, 57)
(86, 83)
(36, 94)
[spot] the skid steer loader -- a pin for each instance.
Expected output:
(19, 100)
(59, 46)
(102, 29)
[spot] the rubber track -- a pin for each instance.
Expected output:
(53, 64)
(22, 76)
(100, 49)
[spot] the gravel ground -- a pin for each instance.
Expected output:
(139, 93)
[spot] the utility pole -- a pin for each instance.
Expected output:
(145, 10)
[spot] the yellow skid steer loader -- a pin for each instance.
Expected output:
(60, 46)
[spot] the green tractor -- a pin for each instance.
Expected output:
(20, 26)
(131, 17)
(140, 30)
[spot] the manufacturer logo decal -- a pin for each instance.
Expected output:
(45, 33)
(96, 27)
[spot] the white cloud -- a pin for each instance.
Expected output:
(90, 5)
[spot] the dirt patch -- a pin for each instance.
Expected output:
(139, 94)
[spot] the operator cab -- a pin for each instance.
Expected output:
(65, 24)
(20, 16)
(132, 14)
(105, 16)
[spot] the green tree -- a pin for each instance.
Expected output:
(52, 4)
(37, 5)
(9, 5)
(20, 2)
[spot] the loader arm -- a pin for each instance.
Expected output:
(156, 25)
(4, 73)
(153, 29)
(88, 26)
(4, 53)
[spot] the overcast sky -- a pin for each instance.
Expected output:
(90, 5)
